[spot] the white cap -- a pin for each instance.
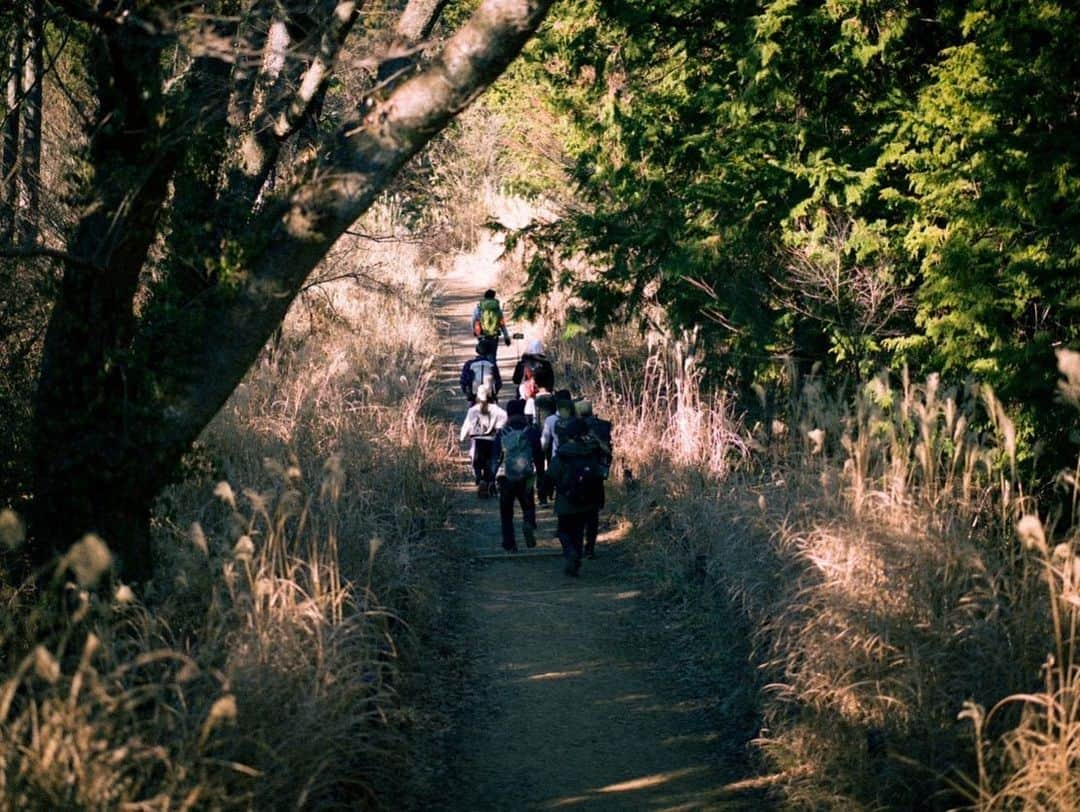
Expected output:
(483, 393)
(535, 347)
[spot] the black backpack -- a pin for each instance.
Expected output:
(580, 478)
(601, 430)
(539, 370)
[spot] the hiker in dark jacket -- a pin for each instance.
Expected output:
(599, 437)
(521, 460)
(576, 471)
(534, 365)
(478, 372)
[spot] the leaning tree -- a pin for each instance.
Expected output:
(215, 181)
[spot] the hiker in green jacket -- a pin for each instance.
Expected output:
(488, 323)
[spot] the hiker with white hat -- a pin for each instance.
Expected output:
(482, 422)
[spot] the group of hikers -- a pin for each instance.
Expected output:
(544, 447)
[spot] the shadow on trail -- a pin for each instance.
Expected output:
(568, 699)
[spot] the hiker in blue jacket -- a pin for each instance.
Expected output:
(550, 434)
(521, 460)
(480, 371)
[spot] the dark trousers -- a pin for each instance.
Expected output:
(509, 492)
(592, 527)
(483, 470)
(489, 348)
(545, 485)
(572, 534)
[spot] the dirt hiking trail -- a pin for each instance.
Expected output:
(567, 704)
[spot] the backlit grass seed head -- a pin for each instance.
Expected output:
(258, 501)
(290, 503)
(333, 478)
(264, 588)
(223, 491)
(817, 440)
(198, 538)
(12, 529)
(1068, 363)
(89, 559)
(222, 711)
(1008, 432)
(124, 594)
(272, 466)
(244, 548)
(762, 397)
(1030, 532)
(45, 665)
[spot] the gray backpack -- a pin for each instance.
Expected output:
(481, 370)
(517, 461)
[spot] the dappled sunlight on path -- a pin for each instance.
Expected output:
(568, 706)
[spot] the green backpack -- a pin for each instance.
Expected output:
(490, 317)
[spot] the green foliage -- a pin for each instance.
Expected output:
(856, 183)
(990, 151)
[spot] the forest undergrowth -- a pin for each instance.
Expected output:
(271, 664)
(905, 619)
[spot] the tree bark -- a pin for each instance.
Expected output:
(122, 394)
(9, 157)
(418, 20)
(87, 473)
(28, 215)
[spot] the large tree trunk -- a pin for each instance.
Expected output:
(90, 474)
(123, 394)
(29, 213)
(9, 156)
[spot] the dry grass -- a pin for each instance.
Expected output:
(263, 668)
(1035, 763)
(867, 544)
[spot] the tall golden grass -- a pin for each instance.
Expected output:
(865, 545)
(298, 565)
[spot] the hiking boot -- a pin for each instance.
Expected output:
(572, 566)
(482, 490)
(530, 535)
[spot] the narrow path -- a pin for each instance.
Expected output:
(568, 705)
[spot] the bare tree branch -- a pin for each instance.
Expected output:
(369, 153)
(418, 20)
